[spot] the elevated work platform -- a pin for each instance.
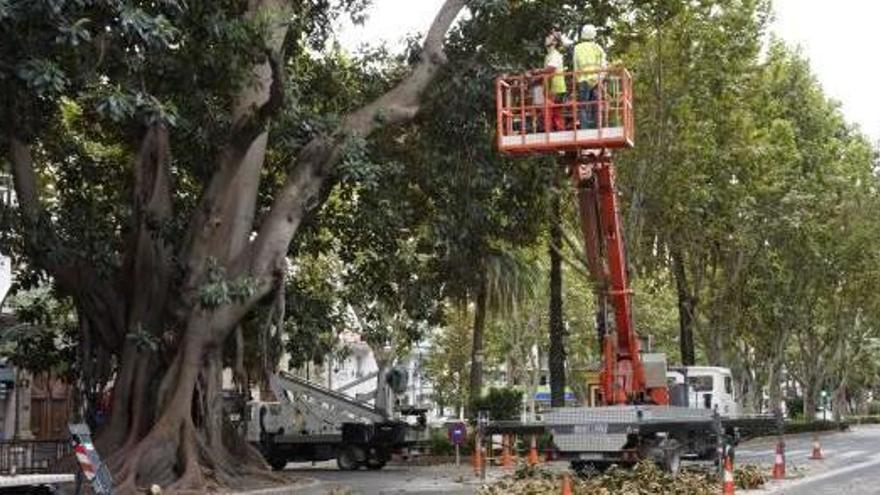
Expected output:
(532, 120)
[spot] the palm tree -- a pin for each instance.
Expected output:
(505, 279)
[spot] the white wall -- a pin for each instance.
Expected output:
(5, 276)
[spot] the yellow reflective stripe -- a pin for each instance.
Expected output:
(587, 57)
(557, 82)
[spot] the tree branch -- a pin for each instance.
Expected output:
(571, 263)
(25, 180)
(401, 103)
(73, 273)
(301, 191)
(223, 223)
(147, 269)
(248, 126)
(568, 241)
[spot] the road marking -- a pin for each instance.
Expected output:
(828, 474)
(754, 455)
(854, 453)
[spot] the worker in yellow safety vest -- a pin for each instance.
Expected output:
(554, 63)
(589, 58)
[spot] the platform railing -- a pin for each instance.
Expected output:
(530, 120)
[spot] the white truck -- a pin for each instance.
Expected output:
(312, 423)
(709, 387)
(702, 414)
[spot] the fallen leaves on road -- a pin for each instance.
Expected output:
(749, 476)
(643, 479)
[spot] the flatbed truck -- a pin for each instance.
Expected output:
(313, 423)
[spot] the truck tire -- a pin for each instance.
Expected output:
(347, 458)
(375, 464)
(277, 463)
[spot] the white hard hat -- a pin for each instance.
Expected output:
(588, 32)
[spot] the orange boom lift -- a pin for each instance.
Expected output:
(524, 128)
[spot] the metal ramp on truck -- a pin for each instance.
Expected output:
(319, 410)
(310, 422)
(358, 381)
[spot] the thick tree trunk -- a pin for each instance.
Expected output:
(557, 353)
(809, 401)
(775, 386)
(686, 308)
(384, 400)
(534, 380)
(475, 389)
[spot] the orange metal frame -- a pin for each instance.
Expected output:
(587, 154)
(516, 109)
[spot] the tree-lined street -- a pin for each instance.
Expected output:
(199, 197)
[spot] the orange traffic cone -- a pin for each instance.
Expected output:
(729, 487)
(566, 484)
(533, 452)
(779, 465)
(817, 449)
(478, 458)
(506, 460)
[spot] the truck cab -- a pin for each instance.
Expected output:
(708, 387)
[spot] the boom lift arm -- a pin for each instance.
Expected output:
(622, 377)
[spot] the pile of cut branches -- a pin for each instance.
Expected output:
(643, 479)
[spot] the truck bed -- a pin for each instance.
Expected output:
(605, 429)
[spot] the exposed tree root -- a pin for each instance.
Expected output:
(177, 446)
(192, 478)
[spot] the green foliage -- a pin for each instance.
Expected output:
(795, 407)
(145, 341)
(446, 361)
(439, 443)
(808, 426)
(218, 290)
(501, 403)
(44, 340)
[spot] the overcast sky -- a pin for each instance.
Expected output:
(840, 38)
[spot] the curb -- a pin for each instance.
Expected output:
(278, 490)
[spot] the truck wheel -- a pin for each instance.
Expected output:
(347, 459)
(278, 463)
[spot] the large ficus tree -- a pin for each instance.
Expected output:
(164, 155)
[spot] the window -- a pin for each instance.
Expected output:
(700, 383)
(728, 385)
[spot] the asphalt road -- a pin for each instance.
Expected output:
(851, 466)
(393, 479)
